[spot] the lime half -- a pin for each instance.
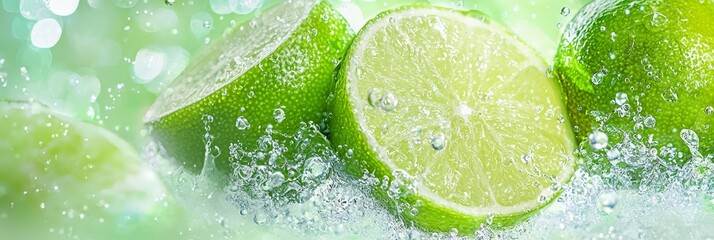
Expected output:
(65, 179)
(272, 74)
(456, 114)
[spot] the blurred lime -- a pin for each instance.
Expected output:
(639, 79)
(64, 179)
(453, 119)
(248, 95)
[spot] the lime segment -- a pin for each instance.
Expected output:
(460, 107)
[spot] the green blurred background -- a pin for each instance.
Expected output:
(104, 61)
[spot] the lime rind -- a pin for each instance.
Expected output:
(434, 213)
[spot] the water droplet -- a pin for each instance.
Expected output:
(561, 119)
(709, 110)
(620, 98)
(260, 218)
(314, 167)
(607, 201)
(392, 20)
(373, 97)
(670, 96)
(169, 2)
(414, 211)
(527, 157)
(242, 123)
(279, 115)
(274, 180)
(350, 153)
(90, 112)
(613, 154)
(657, 21)
(200, 24)
(438, 142)
(454, 232)
(565, 11)
(690, 138)
(649, 121)
(597, 78)
(598, 140)
(388, 102)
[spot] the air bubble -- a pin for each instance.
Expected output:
(598, 140)
(242, 123)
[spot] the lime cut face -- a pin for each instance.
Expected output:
(460, 107)
(232, 57)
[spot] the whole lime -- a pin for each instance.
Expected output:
(639, 80)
